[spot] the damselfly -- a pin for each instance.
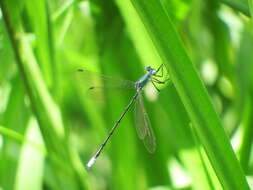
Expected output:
(143, 124)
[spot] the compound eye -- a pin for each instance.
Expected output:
(148, 68)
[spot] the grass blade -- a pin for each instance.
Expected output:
(238, 5)
(197, 102)
(31, 164)
(44, 108)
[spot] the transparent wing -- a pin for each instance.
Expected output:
(140, 119)
(143, 125)
(96, 80)
(97, 83)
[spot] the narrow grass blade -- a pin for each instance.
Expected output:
(42, 104)
(238, 5)
(193, 94)
(30, 164)
(244, 68)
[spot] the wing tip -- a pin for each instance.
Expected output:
(80, 70)
(91, 88)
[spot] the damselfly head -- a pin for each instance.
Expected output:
(151, 70)
(148, 68)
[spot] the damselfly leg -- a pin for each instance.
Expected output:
(154, 79)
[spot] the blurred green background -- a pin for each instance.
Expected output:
(49, 127)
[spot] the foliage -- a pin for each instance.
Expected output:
(50, 127)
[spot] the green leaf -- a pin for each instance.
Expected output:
(39, 22)
(193, 94)
(42, 104)
(31, 161)
(239, 5)
(244, 68)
